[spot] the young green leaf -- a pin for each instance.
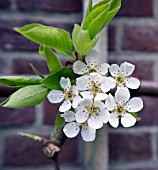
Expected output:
(82, 42)
(26, 96)
(89, 8)
(52, 60)
(36, 71)
(49, 36)
(18, 81)
(59, 122)
(53, 80)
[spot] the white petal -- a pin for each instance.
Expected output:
(132, 83)
(69, 116)
(96, 78)
(82, 115)
(83, 83)
(134, 105)
(128, 120)
(66, 105)
(55, 96)
(127, 69)
(79, 67)
(71, 129)
(76, 100)
(92, 59)
(65, 83)
(88, 134)
(101, 96)
(85, 102)
(99, 104)
(110, 103)
(87, 94)
(122, 95)
(95, 122)
(74, 90)
(103, 68)
(114, 120)
(114, 69)
(104, 115)
(107, 84)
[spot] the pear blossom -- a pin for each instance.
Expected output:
(69, 95)
(72, 128)
(122, 75)
(121, 107)
(92, 112)
(94, 86)
(92, 64)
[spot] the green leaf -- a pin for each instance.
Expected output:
(53, 80)
(18, 81)
(26, 96)
(49, 36)
(89, 8)
(101, 14)
(94, 14)
(82, 42)
(135, 115)
(59, 122)
(36, 71)
(52, 61)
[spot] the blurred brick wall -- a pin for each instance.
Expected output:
(133, 37)
(16, 53)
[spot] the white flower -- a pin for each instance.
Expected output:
(69, 96)
(93, 112)
(93, 64)
(121, 75)
(94, 86)
(121, 107)
(72, 128)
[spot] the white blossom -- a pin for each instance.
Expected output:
(93, 112)
(92, 64)
(122, 106)
(69, 95)
(94, 86)
(121, 75)
(72, 128)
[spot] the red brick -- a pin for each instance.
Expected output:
(50, 112)
(10, 40)
(24, 152)
(140, 38)
(51, 5)
(129, 147)
(136, 8)
(111, 37)
(13, 117)
(4, 3)
(21, 66)
(149, 113)
(143, 70)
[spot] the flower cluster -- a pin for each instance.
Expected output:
(89, 104)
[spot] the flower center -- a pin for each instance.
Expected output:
(92, 109)
(69, 95)
(95, 88)
(120, 110)
(92, 69)
(120, 79)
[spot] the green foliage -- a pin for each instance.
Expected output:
(49, 36)
(101, 14)
(135, 115)
(26, 96)
(82, 42)
(18, 81)
(89, 8)
(53, 80)
(36, 71)
(52, 61)
(59, 122)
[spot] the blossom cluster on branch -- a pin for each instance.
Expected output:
(88, 102)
